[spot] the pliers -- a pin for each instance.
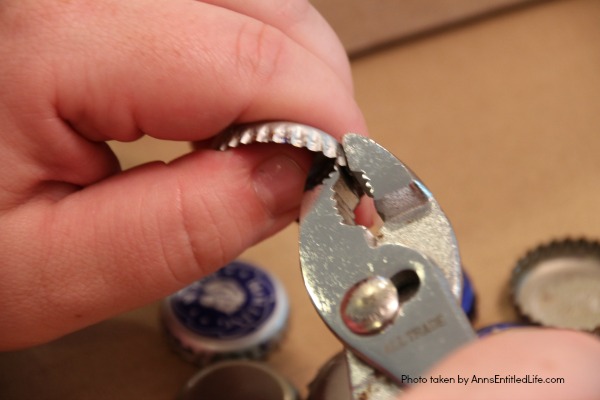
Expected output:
(389, 296)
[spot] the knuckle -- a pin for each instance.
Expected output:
(258, 51)
(179, 250)
(293, 11)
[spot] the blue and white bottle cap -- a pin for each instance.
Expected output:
(467, 301)
(499, 327)
(240, 311)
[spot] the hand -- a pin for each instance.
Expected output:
(82, 240)
(573, 356)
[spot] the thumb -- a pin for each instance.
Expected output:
(140, 235)
(552, 364)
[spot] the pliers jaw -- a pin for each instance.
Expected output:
(411, 216)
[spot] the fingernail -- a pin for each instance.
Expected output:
(279, 183)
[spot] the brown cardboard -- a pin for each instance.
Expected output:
(364, 24)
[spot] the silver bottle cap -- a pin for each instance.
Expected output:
(240, 311)
(558, 284)
(238, 380)
(332, 382)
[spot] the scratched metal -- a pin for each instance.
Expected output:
(335, 254)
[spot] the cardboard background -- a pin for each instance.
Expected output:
(366, 24)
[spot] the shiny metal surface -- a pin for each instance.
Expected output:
(297, 135)
(370, 305)
(557, 284)
(416, 238)
(367, 384)
(336, 380)
(412, 216)
(238, 380)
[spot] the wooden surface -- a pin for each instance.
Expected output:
(501, 119)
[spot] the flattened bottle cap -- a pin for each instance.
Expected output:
(240, 311)
(558, 284)
(238, 380)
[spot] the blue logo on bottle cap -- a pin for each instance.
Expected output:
(467, 302)
(231, 303)
(499, 327)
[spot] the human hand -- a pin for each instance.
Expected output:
(573, 356)
(82, 240)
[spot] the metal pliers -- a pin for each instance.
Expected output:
(389, 296)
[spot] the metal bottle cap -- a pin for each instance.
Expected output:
(240, 311)
(238, 380)
(332, 381)
(558, 284)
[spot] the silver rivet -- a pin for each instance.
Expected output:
(370, 305)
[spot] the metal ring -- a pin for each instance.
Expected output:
(297, 135)
(238, 380)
